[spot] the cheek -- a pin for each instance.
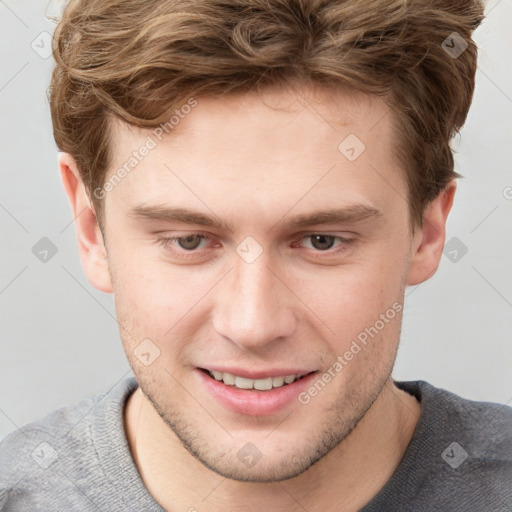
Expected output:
(159, 300)
(156, 300)
(361, 298)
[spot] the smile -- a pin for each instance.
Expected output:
(258, 384)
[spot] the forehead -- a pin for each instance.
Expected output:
(272, 112)
(275, 147)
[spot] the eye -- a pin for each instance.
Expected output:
(187, 243)
(191, 245)
(323, 242)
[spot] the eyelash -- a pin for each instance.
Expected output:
(166, 242)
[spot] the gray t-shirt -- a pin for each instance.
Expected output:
(77, 458)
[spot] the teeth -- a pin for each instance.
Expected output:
(277, 382)
(242, 383)
(263, 384)
(259, 384)
(228, 379)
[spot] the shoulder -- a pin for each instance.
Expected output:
(28, 454)
(37, 460)
(459, 457)
(52, 427)
(486, 424)
(35, 444)
(461, 451)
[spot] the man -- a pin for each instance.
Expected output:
(257, 183)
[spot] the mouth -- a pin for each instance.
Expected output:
(262, 384)
(254, 393)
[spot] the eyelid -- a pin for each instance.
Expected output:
(322, 233)
(298, 236)
(344, 242)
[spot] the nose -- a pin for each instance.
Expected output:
(254, 305)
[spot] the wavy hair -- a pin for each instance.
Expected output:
(139, 60)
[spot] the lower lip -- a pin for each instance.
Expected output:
(253, 402)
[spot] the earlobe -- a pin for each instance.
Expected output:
(428, 241)
(91, 246)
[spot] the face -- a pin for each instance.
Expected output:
(295, 263)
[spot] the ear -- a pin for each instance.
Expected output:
(428, 241)
(91, 246)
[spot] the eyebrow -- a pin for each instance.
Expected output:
(349, 214)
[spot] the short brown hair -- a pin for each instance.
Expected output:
(139, 60)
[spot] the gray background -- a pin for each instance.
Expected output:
(59, 338)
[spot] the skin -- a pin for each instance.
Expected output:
(256, 161)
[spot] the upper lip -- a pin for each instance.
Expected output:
(258, 374)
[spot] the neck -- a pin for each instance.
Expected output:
(347, 478)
